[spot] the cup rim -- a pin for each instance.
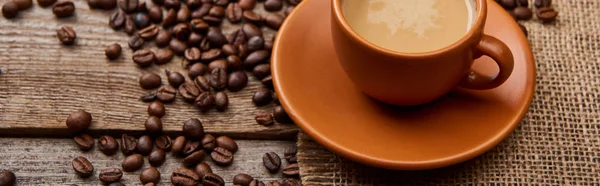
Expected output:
(347, 29)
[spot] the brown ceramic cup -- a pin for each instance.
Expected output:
(416, 78)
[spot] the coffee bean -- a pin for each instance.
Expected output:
(234, 63)
(153, 124)
(192, 54)
(157, 157)
(164, 56)
(242, 179)
(178, 145)
(523, 3)
(10, 10)
(110, 175)
(197, 69)
(262, 97)
(508, 4)
(294, 2)
(155, 13)
(132, 163)
(63, 9)
(66, 35)
(7, 178)
(193, 4)
(287, 11)
(271, 161)
(291, 170)
(178, 46)
(210, 55)
(194, 158)
(183, 15)
(243, 51)
(205, 101)
(202, 169)
(79, 121)
(255, 43)
(145, 144)
(269, 45)
(212, 20)
(149, 80)
(274, 183)
(172, 4)
(546, 14)
(191, 147)
(234, 12)
(263, 118)
(280, 115)
(215, 37)
(202, 11)
(247, 4)
(163, 142)
(107, 4)
(219, 63)
(175, 78)
(46, 3)
(261, 71)
(193, 129)
(189, 92)
(291, 182)
(150, 175)
(523, 13)
(148, 33)
(273, 5)
(208, 142)
(218, 78)
(255, 58)
(202, 83)
(274, 21)
(194, 39)
(184, 177)
(211, 179)
(170, 18)
(256, 182)
(113, 51)
(226, 143)
(130, 29)
(182, 31)
(221, 101)
(128, 6)
(128, 144)
(84, 141)
(23, 4)
(290, 154)
(237, 81)
(198, 25)
(108, 145)
(229, 50)
(237, 38)
(221, 156)
(523, 29)
(252, 17)
(136, 42)
(94, 4)
(542, 3)
(142, 7)
(217, 11)
(83, 167)
(251, 30)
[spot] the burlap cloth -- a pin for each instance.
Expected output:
(557, 143)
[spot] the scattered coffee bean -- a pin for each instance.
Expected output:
(150, 175)
(66, 35)
(110, 175)
(153, 124)
(221, 156)
(251, 30)
(218, 79)
(202, 11)
(221, 101)
(221, 2)
(198, 25)
(178, 46)
(211, 55)
(108, 145)
(170, 18)
(290, 154)
(117, 19)
(46, 3)
(261, 71)
(130, 28)
(274, 21)
(63, 9)
(166, 94)
(128, 144)
(234, 62)
(205, 101)
(274, 183)
(182, 31)
(288, 10)
(107, 4)
(262, 97)
(132, 163)
(255, 43)
(148, 33)
(252, 17)
(197, 69)
(219, 63)
(141, 20)
(291, 170)
(7, 178)
(10, 10)
(202, 84)
(155, 13)
(136, 42)
(163, 56)
(229, 50)
(193, 129)
(144, 58)
(128, 6)
(175, 78)
(157, 157)
(208, 142)
(508, 4)
(193, 4)
(145, 144)
(523, 3)
(211, 179)
(194, 39)
(234, 12)
(215, 37)
(523, 29)
(237, 38)
(202, 169)
(79, 121)
(523, 13)
(280, 115)
(164, 142)
(149, 80)
(227, 143)
(255, 58)
(194, 158)
(542, 3)
(183, 15)
(172, 4)
(273, 5)
(291, 182)
(256, 182)
(269, 45)
(192, 54)
(271, 161)
(546, 14)
(191, 147)
(237, 81)
(185, 177)
(83, 167)
(242, 179)
(142, 7)
(23, 4)
(243, 51)
(263, 118)
(113, 51)
(189, 92)
(84, 141)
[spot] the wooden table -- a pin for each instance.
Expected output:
(42, 82)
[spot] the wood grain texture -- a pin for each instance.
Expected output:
(38, 161)
(43, 81)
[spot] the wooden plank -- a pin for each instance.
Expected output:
(37, 161)
(43, 81)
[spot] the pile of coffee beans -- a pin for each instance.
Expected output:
(519, 9)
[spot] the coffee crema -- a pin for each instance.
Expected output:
(410, 26)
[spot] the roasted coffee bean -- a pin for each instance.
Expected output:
(155, 13)
(145, 143)
(523, 3)
(170, 18)
(211, 179)
(294, 2)
(153, 124)
(234, 12)
(202, 83)
(243, 51)
(110, 175)
(221, 2)
(542, 3)
(113, 51)
(523, 13)
(184, 177)
(183, 15)
(84, 141)
(192, 54)
(202, 11)
(523, 29)
(255, 43)
(136, 42)
(546, 14)
(83, 167)
(217, 11)
(267, 82)
(46, 3)
(150, 175)
(205, 101)
(255, 58)
(10, 10)
(94, 4)
(262, 97)
(221, 101)
(291, 170)
(164, 56)
(163, 142)
(274, 21)
(237, 81)
(212, 20)
(128, 144)
(204, 44)
(287, 11)
(148, 33)
(7, 178)
(172, 4)
(216, 37)
(291, 182)
(194, 158)
(197, 69)
(211, 55)
(175, 78)
(189, 92)
(229, 49)
(23, 4)
(221, 156)
(178, 145)
(130, 27)
(251, 30)
(193, 4)
(242, 179)
(166, 94)
(63, 9)
(274, 183)
(132, 163)
(261, 71)
(256, 183)
(194, 39)
(202, 169)
(107, 4)
(252, 17)
(290, 154)
(108, 145)
(142, 7)
(208, 142)
(269, 45)
(141, 20)
(237, 38)
(178, 46)
(247, 4)
(218, 78)
(219, 63)
(263, 118)
(79, 121)
(227, 143)
(508, 4)
(157, 157)
(198, 25)
(273, 5)
(234, 62)
(66, 35)
(191, 147)
(128, 6)
(280, 115)
(193, 129)
(149, 80)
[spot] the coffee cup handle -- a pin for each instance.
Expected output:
(500, 53)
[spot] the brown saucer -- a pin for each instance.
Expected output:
(321, 99)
